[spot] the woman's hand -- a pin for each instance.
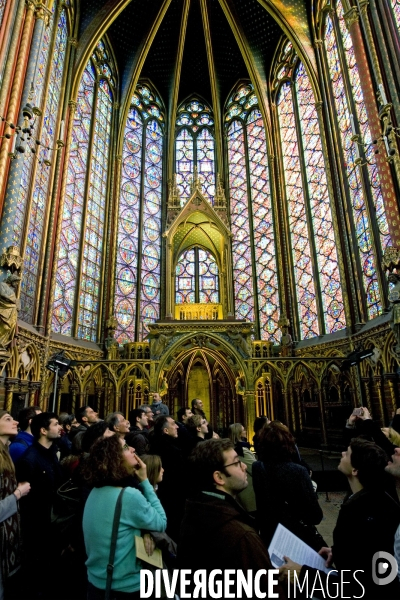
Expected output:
(386, 431)
(141, 469)
(327, 554)
(288, 570)
(22, 490)
(149, 544)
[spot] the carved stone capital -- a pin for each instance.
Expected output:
(72, 41)
(351, 16)
(12, 258)
(41, 12)
(391, 259)
(72, 105)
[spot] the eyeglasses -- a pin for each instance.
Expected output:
(236, 463)
(125, 447)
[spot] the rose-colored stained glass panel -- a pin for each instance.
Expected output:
(71, 225)
(128, 229)
(263, 228)
(41, 187)
(320, 205)
(297, 214)
(240, 224)
(89, 296)
(359, 209)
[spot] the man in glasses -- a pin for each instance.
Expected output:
(216, 532)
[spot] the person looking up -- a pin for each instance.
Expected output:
(24, 439)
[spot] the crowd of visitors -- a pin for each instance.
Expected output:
(80, 494)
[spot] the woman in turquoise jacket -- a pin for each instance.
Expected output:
(108, 469)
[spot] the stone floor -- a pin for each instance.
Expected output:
(331, 511)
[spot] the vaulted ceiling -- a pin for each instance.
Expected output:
(194, 46)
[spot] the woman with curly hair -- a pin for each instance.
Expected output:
(10, 494)
(109, 467)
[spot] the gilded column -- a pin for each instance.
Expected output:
(378, 387)
(322, 414)
(15, 94)
(250, 412)
(33, 387)
(10, 384)
(385, 175)
(16, 168)
(73, 388)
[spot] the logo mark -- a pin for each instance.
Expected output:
(385, 564)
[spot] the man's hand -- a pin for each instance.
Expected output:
(327, 554)
(352, 419)
(149, 544)
(288, 569)
(365, 414)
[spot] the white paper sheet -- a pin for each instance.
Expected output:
(285, 543)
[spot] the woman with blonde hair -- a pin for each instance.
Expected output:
(155, 469)
(10, 494)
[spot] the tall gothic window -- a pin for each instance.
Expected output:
(364, 187)
(196, 277)
(252, 222)
(395, 4)
(29, 156)
(195, 148)
(80, 258)
(314, 257)
(137, 295)
(39, 201)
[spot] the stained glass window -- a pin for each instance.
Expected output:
(396, 11)
(312, 238)
(29, 156)
(137, 290)
(151, 248)
(196, 277)
(253, 239)
(91, 262)
(208, 277)
(185, 278)
(240, 223)
(3, 4)
(357, 188)
(37, 217)
(195, 148)
(263, 226)
(321, 214)
(184, 162)
(300, 235)
(128, 228)
(80, 256)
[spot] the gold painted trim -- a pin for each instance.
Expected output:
(175, 90)
(213, 84)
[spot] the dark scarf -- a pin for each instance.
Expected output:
(9, 531)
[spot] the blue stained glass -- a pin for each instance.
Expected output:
(139, 203)
(71, 226)
(33, 252)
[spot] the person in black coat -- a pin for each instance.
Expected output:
(172, 489)
(366, 524)
(283, 488)
(40, 466)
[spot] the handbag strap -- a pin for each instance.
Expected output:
(114, 535)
